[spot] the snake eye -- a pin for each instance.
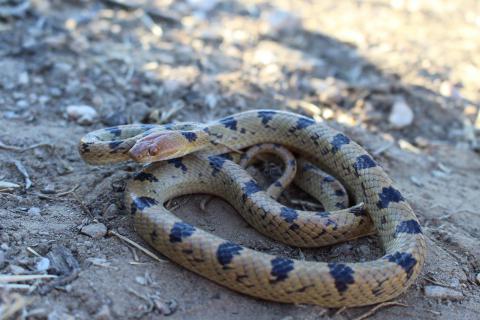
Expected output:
(152, 150)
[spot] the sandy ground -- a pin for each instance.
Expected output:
(158, 61)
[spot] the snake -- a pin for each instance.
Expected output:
(188, 158)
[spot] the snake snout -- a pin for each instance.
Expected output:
(157, 146)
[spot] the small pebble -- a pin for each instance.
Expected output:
(478, 278)
(22, 104)
(401, 115)
(137, 112)
(203, 5)
(439, 292)
(111, 212)
(141, 280)
(95, 230)
(23, 78)
(343, 249)
(42, 265)
(56, 92)
(363, 250)
(48, 189)
(455, 283)
(103, 313)
(166, 308)
(2, 259)
(34, 211)
(17, 269)
(82, 114)
(43, 99)
(280, 20)
(8, 185)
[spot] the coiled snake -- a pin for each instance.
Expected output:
(189, 161)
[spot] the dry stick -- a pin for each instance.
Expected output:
(15, 286)
(84, 207)
(438, 283)
(61, 194)
(136, 245)
(340, 311)
(20, 149)
(13, 304)
(381, 305)
(27, 277)
(29, 249)
(21, 168)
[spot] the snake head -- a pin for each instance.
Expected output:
(164, 145)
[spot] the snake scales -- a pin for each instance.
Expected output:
(190, 161)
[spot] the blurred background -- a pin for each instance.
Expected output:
(399, 76)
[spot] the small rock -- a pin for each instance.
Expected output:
(17, 269)
(439, 174)
(478, 278)
(111, 212)
(103, 313)
(203, 5)
(22, 104)
(8, 185)
(211, 100)
(421, 142)
(34, 211)
(280, 20)
(2, 259)
(363, 250)
(43, 99)
(141, 280)
(166, 308)
(48, 189)
(439, 292)
(82, 114)
(137, 112)
(401, 115)
(343, 249)
(416, 181)
(23, 78)
(56, 92)
(455, 283)
(43, 264)
(95, 230)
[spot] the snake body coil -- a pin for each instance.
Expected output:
(252, 272)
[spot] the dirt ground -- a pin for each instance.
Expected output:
(348, 63)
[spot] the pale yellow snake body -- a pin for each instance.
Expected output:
(248, 271)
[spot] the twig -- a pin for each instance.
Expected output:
(340, 311)
(29, 249)
(23, 171)
(12, 303)
(438, 283)
(136, 245)
(381, 305)
(20, 149)
(150, 306)
(82, 204)
(15, 278)
(61, 194)
(15, 286)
